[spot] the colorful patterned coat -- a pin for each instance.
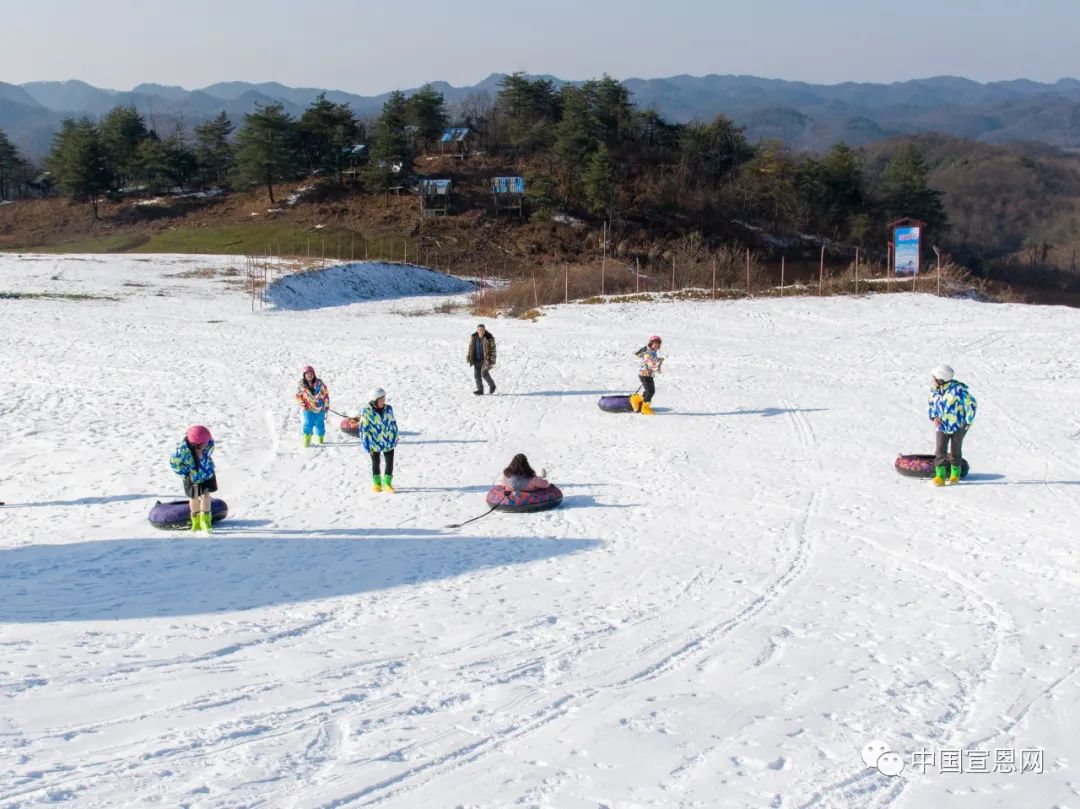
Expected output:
(951, 407)
(378, 430)
(650, 361)
(315, 399)
(184, 464)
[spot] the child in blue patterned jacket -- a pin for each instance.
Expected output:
(952, 409)
(193, 461)
(379, 434)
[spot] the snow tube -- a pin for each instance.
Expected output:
(922, 466)
(615, 404)
(350, 427)
(540, 500)
(176, 515)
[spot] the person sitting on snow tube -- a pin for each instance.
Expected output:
(952, 409)
(314, 398)
(193, 461)
(520, 477)
(650, 366)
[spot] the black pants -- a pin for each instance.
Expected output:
(650, 387)
(193, 490)
(942, 451)
(389, 463)
(478, 371)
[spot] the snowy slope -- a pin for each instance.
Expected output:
(737, 595)
(359, 281)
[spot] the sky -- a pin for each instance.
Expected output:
(371, 47)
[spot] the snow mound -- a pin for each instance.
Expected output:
(360, 281)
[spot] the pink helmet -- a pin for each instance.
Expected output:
(308, 368)
(655, 339)
(197, 434)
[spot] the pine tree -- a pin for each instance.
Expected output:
(79, 163)
(576, 138)
(908, 192)
(615, 114)
(266, 147)
(213, 151)
(427, 112)
(600, 183)
(122, 130)
(327, 130)
(530, 110)
(391, 143)
(13, 168)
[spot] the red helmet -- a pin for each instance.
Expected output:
(197, 434)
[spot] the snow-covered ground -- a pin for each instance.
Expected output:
(735, 598)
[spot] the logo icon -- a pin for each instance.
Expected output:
(877, 755)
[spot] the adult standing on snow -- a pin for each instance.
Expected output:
(481, 357)
(314, 399)
(952, 409)
(379, 433)
(651, 363)
(193, 461)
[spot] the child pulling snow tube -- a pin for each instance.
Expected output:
(350, 427)
(176, 515)
(539, 500)
(615, 404)
(922, 466)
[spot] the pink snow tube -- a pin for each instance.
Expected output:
(922, 466)
(539, 500)
(350, 427)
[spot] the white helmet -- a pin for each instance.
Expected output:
(943, 373)
(375, 394)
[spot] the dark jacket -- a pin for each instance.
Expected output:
(489, 350)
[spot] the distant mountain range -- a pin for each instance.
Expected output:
(806, 116)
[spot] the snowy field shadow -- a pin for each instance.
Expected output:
(572, 393)
(151, 577)
(95, 501)
(588, 501)
(449, 441)
(999, 480)
(764, 412)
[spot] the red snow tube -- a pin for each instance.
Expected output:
(176, 515)
(615, 404)
(539, 500)
(922, 466)
(350, 427)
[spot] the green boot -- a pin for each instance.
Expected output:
(376, 483)
(939, 475)
(307, 440)
(208, 522)
(387, 483)
(320, 438)
(196, 522)
(954, 474)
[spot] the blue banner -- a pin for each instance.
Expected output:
(906, 251)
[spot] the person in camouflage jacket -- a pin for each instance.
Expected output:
(481, 357)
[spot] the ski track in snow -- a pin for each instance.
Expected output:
(736, 595)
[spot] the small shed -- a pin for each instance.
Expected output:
(509, 194)
(434, 196)
(456, 141)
